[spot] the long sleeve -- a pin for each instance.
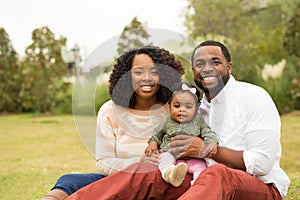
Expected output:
(159, 133)
(206, 133)
(122, 135)
(263, 136)
(109, 160)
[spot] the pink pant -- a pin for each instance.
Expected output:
(195, 166)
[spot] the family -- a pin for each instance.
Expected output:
(158, 139)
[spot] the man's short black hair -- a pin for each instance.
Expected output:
(213, 43)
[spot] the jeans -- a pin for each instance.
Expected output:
(70, 183)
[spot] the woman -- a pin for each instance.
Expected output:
(140, 86)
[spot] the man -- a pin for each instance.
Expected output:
(248, 127)
(247, 123)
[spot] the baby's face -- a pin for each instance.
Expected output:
(183, 107)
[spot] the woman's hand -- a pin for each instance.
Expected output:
(152, 158)
(186, 146)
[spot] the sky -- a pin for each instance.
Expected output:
(87, 23)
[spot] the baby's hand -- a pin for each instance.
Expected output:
(152, 148)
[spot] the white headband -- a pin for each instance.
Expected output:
(186, 87)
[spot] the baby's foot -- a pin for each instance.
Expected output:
(175, 174)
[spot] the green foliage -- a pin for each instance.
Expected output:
(101, 95)
(188, 73)
(42, 70)
(295, 83)
(254, 33)
(63, 100)
(88, 96)
(292, 33)
(224, 17)
(279, 89)
(36, 83)
(133, 36)
(83, 97)
(9, 74)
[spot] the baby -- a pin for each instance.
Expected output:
(183, 119)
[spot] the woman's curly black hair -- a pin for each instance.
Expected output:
(169, 68)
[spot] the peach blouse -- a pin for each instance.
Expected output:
(122, 135)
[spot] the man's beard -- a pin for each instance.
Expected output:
(213, 91)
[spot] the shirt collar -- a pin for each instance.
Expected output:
(221, 96)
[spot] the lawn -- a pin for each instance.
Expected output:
(36, 150)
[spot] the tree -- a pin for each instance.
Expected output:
(43, 70)
(219, 17)
(9, 74)
(133, 36)
(292, 33)
(253, 31)
(291, 43)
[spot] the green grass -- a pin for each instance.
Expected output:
(290, 160)
(36, 150)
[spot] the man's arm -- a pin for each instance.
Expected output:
(230, 158)
(190, 146)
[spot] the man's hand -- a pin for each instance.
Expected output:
(186, 146)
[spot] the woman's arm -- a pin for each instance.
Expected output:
(107, 158)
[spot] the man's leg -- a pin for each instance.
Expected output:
(138, 181)
(70, 183)
(220, 182)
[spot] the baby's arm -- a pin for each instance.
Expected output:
(155, 141)
(152, 148)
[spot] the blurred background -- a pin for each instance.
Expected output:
(263, 37)
(47, 79)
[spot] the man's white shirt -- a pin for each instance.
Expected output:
(245, 118)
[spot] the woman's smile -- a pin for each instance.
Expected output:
(146, 88)
(144, 76)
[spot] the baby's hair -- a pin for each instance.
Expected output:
(186, 87)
